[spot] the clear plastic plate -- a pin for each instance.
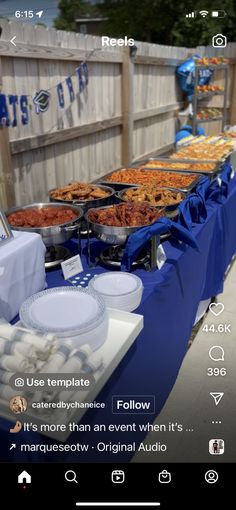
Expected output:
(63, 310)
(120, 290)
(116, 283)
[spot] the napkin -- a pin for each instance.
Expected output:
(192, 210)
(9, 347)
(56, 360)
(93, 363)
(203, 186)
(5, 376)
(6, 392)
(139, 238)
(73, 364)
(16, 363)
(84, 360)
(44, 344)
(218, 193)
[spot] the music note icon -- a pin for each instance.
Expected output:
(16, 428)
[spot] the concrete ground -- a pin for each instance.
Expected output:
(190, 403)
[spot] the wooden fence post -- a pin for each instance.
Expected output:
(6, 181)
(232, 119)
(127, 107)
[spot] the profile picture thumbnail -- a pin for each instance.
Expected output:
(18, 404)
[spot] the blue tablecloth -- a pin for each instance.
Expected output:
(169, 305)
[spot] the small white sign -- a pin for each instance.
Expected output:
(161, 256)
(71, 267)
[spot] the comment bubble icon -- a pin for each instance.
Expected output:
(217, 353)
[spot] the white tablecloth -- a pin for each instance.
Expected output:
(22, 271)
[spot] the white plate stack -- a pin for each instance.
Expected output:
(120, 290)
(68, 312)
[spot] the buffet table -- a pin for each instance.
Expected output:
(169, 305)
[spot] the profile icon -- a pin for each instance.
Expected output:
(18, 404)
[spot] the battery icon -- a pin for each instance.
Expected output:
(218, 14)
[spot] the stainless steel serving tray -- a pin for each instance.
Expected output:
(170, 210)
(56, 234)
(217, 161)
(210, 173)
(118, 186)
(109, 234)
(86, 204)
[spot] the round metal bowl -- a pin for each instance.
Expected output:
(170, 210)
(57, 234)
(87, 204)
(109, 234)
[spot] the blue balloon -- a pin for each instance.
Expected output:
(180, 135)
(185, 73)
(187, 131)
(200, 131)
(188, 128)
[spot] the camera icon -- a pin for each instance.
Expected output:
(219, 41)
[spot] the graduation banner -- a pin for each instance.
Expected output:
(17, 108)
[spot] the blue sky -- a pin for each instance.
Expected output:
(8, 8)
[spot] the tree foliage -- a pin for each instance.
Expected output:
(69, 11)
(156, 21)
(164, 21)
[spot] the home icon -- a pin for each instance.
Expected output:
(24, 477)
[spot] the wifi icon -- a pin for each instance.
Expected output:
(203, 13)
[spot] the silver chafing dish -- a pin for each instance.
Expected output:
(109, 234)
(170, 210)
(171, 162)
(87, 204)
(57, 234)
(119, 185)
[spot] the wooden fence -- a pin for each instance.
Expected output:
(128, 110)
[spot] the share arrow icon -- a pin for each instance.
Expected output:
(217, 397)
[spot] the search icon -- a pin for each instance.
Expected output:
(70, 476)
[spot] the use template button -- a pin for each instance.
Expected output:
(133, 404)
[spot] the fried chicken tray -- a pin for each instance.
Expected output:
(83, 194)
(154, 196)
(113, 224)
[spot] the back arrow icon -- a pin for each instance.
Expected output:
(13, 40)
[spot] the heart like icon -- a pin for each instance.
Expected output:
(216, 308)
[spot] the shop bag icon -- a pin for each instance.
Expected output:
(164, 476)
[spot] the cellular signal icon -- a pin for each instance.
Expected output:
(190, 15)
